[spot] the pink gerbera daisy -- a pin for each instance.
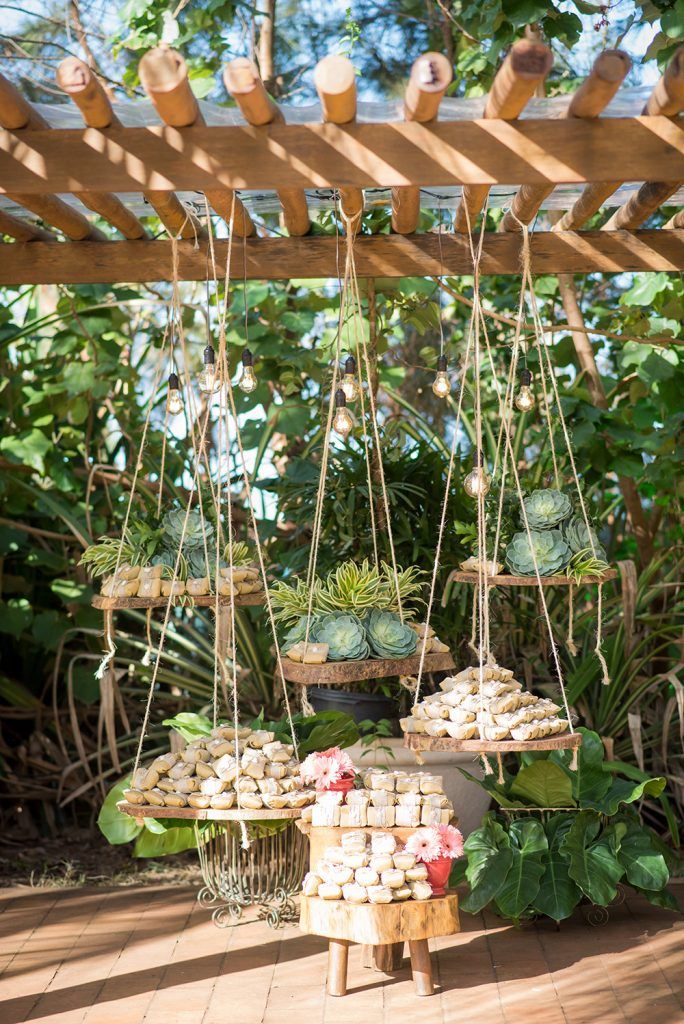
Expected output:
(424, 844)
(451, 841)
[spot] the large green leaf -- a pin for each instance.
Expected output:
(622, 791)
(543, 784)
(521, 885)
(161, 844)
(190, 725)
(558, 895)
(117, 828)
(489, 861)
(594, 863)
(644, 866)
(589, 780)
(663, 898)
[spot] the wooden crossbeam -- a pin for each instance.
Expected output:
(205, 158)
(388, 256)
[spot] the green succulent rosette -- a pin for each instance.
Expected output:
(388, 636)
(579, 538)
(548, 547)
(546, 509)
(297, 633)
(175, 527)
(344, 634)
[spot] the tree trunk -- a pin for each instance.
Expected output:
(266, 45)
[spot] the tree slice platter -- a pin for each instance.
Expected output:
(206, 601)
(531, 581)
(208, 813)
(375, 924)
(419, 741)
(333, 673)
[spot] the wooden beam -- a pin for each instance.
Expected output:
(242, 80)
(529, 151)
(23, 230)
(522, 72)
(335, 81)
(430, 77)
(389, 256)
(597, 90)
(675, 222)
(666, 100)
(85, 89)
(164, 75)
(640, 206)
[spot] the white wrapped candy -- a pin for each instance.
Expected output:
(431, 784)
(379, 894)
(341, 874)
(383, 842)
(382, 798)
(381, 862)
(404, 859)
(420, 890)
(325, 814)
(418, 873)
(381, 817)
(212, 787)
(399, 895)
(381, 780)
(199, 800)
(407, 817)
(393, 877)
(354, 893)
(355, 860)
(354, 816)
(311, 884)
(333, 855)
(354, 842)
(329, 891)
(366, 876)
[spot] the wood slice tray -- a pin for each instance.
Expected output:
(531, 581)
(419, 741)
(208, 813)
(206, 601)
(332, 672)
(379, 924)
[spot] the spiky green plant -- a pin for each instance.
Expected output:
(409, 582)
(291, 600)
(102, 558)
(351, 587)
(584, 563)
(388, 636)
(241, 554)
(345, 635)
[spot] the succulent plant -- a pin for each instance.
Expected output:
(388, 636)
(192, 532)
(344, 634)
(351, 587)
(550, 549)
(546, 509)
(296, 634)
(579, 538)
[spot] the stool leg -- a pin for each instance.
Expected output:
(338, 951)
(389, 958)
(421, 967)
(367, 959)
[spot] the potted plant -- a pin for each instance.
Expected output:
(329, 770)
(436, 846)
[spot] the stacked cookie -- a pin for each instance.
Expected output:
(146, 581)
(492, 708)
(242, 768)
(387, 798)
(363, 872)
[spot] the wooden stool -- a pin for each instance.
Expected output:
(386, 925)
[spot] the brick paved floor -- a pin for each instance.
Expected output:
(127, 956)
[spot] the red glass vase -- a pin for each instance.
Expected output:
(342, 785)
(438, 874)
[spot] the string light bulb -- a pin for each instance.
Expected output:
(248, 381)
(441, 385)
(524, 399)
(349, 383)
(209, 381)
(174, 400)
(477, 481)
(342, 421)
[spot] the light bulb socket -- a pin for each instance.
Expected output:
(340, 399)
(247, 357)
(525, 377)
(441, 364)
(173, 382)
(209, 356)
(350, 365)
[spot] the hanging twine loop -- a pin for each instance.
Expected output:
(499, 760)
(572, 647)
(574, 759)
(488, 770)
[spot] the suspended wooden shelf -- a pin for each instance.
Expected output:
(185, 600)
(419, 741)
(338, 672)
(531, 581)
(208, 813)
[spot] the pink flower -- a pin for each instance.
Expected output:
(324, 768)
(424, 843)
(451, 841)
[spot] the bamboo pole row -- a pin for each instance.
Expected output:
(335, 81)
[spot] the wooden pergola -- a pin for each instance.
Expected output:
(104, 161)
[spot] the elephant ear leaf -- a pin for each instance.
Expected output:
(489, 861)
(593, 858)
(543, 784)
(589, 780)
(644, 866)
(116, 827)
(558, 895)
(521, 885)
(622, 791)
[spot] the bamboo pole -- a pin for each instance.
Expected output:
(85, 89)
(335, 81)
(523, 70)
(23, 230)
(597, 90)
(17, 115)
(430, 77)
(677, 221)
(164, 75)
(243, 82)
(666, 100)
(639, 207)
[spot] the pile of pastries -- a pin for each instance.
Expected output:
(243, 768)
(387, 798)
(495, 708)
(363, 872)
(146, 581)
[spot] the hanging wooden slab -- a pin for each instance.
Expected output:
(206, 601)
(208, 813)
(531, 581)
(334, 673)
(419, 741)
(376, 924)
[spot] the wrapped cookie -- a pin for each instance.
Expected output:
(379, 894)
(354, 893)
(366, 876)
(329, 891)
(420, 890)
(404, 859)
(394, 878)
(311, 883)
(354, 842)
(383, 842)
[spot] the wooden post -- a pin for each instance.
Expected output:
(242, 81)
(667, 99)
(335, 81)
(597, 90)
(430, 77)
(23, 230)
(523, 70)
(85, 89)
(338, 955)
(421, 967)
(164, 75)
